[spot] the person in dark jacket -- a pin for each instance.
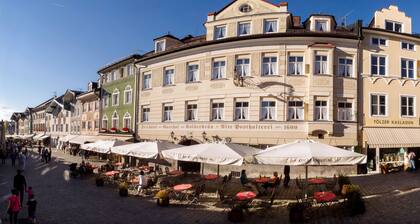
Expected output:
(286, 172)
(31, 204)
(19, 183)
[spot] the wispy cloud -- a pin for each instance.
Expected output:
(57, 5)
(6, 112)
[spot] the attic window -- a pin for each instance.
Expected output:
(245, 8)
(160, 45)
(393, 26)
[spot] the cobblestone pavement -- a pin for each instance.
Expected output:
(393, 198)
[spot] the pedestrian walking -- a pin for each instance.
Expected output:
(39, 150)
(31, 204)
(21, 161)
(49, 155)
(411, 157)
(13, 207)
(13, 158)
(286, 173)
(3, 155)
(45, 155)
(19, 183)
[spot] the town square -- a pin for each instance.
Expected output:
(230, 111)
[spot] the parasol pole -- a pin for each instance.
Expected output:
(218, 170)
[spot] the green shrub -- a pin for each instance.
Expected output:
(355, 202)
(342, 180)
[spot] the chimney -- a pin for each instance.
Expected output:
(283, 6)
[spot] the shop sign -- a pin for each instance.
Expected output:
(393, 122)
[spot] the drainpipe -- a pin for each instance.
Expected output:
(360, 112)
(137, 99)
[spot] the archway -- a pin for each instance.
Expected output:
(189, 166)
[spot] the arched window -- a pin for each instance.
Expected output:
(127, 120)
(128, 95)
(115, 120)
(105, 122)
(116, 97)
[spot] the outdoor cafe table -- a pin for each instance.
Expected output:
(324, 197)
(262, 180)
(182, 187)
(111, 173)
(245, 196)
(175, 173)
(317, 181)
(210, 177)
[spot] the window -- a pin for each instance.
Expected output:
(114, 75)
(268, 110)
(345, 111)
(269, 66)
(109, 77)
(105, 122)
(96, 124)
(145, 114)
(295, 110)
(89, 124)
(128, 95)
(408, 46)
(192, 112)
(407, 106)
(244, 29)
(217, 111)
(115, 120)
(242, 67)
(378, 65)
(245, 8)
(193, 73)
(167, 112)
(218, 70)
(105, 101)
(160, 46)
(270, 26)
(407, 68)
(219, 32)
(168, 78)
(295, 65)
(321, 110)
(321, 65)
(377, 105)
(393, 26)
(127, 120)
(241, 110)
(378, 41)
(147, 81)
(115, 97)
(345, 67)
(129, 69)
(321, 25)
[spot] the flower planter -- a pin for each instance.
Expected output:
(100, 182)
(162, 202)
(123, 192)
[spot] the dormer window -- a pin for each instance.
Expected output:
(244, 29)
(160, 45)
(393, 26)
(245, 8)
(219, 32)
(270, 26)
(321, 25)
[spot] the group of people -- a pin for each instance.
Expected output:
(410, 161)
(265, 187)
(45, 154)
(16, 200)
(15, 152)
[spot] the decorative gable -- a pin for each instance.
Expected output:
(392, 19)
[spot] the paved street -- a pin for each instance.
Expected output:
(393, 198)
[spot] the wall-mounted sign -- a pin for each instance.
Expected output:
(394, 122)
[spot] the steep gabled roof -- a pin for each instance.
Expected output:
(233, 1)
(119, 61)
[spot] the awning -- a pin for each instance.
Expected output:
(43, 137)
(82, 139)
(67, 138)
(36, 137)
(392, 137)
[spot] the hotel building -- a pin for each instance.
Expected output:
(259, 76)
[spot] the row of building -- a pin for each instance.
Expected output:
(259, 76)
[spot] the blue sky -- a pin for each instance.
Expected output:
(48, 46)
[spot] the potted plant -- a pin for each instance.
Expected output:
(162, 198)
(113, 130)
(125, 130)
(100, 181)
(296, 212)
(123, 189)
(355, 202)
(103, 130)
(236, 214)
(343, 180)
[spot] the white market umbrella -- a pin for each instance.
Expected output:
(212, 153)
(102, 146)
(308, 153)
(145, 150)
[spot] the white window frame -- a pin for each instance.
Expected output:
(414, 106)
(149, 83)
(219, 70)
(145, 113)
(127, 116)
(129, 90)
(379, 41)
(168, 110)
(243, 70)
(115, 93)
(105, 118)
(271, 66)
(407, 60)
(114, 75)
(166, 79)
(408, 46)
(321, 21)
(115, 119)
(321, 62)
(378, 106)
(295, 65)
(295, 109)
(242, 110)
(393, 26)
(321, 108)
(193, 111)
(239, 28)
(217, 113)
(216, 33)
(344, 110)
(271, 110)
(130, 69)
(265, 23)
(346, 67)
(194, 73)
(378, 65)
(163, 42)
